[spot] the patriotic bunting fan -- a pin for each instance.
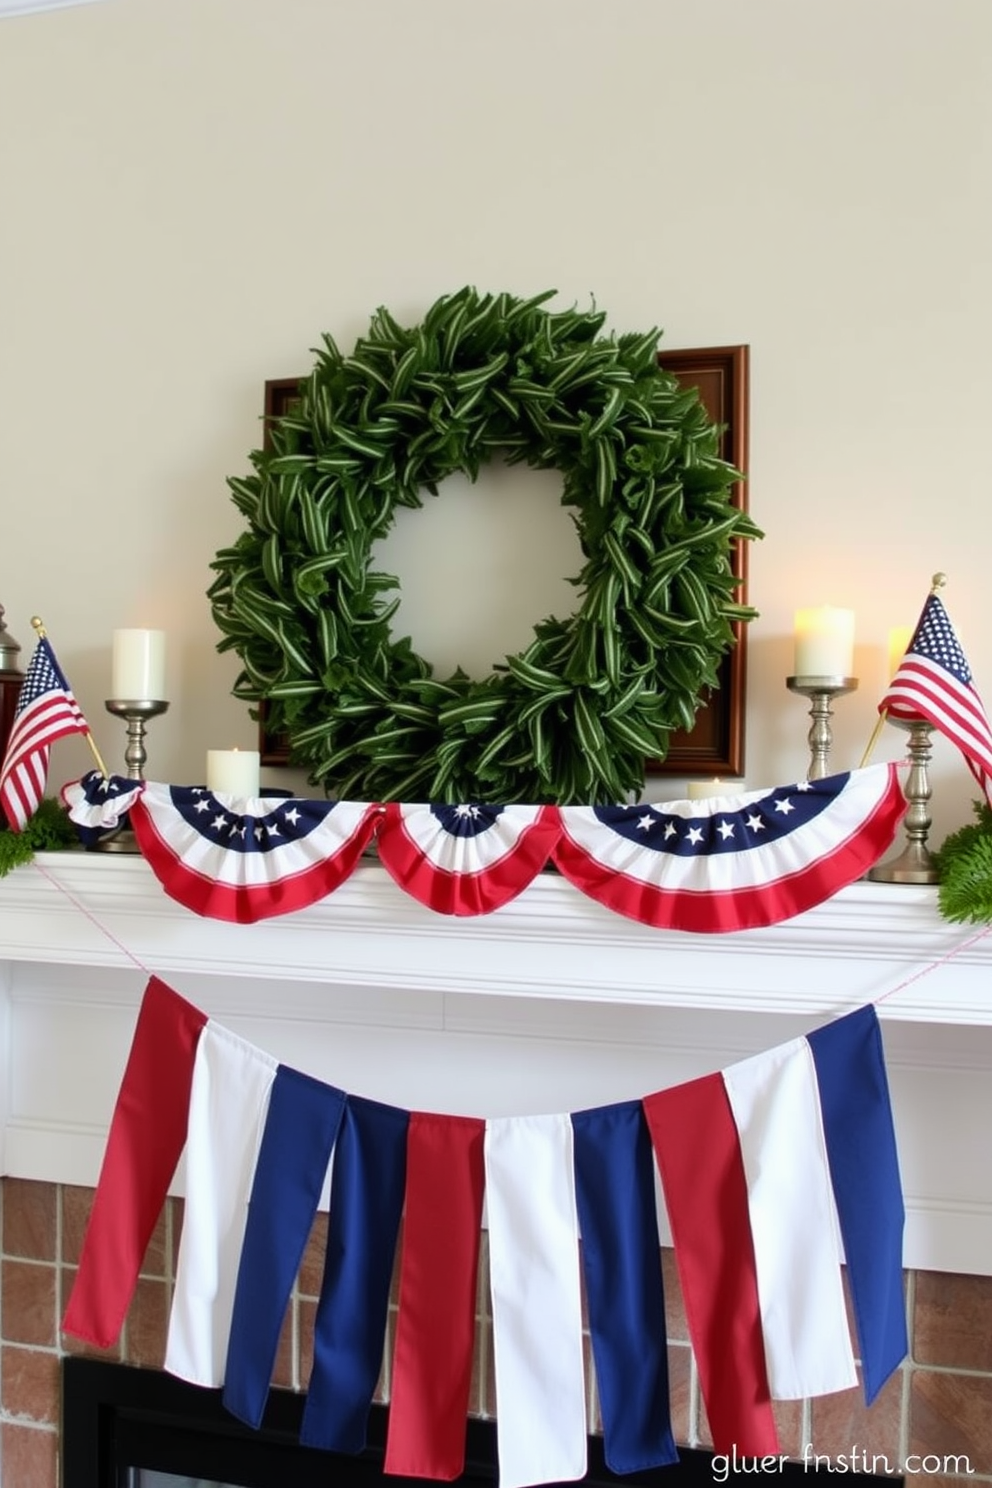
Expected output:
(466, 860)
(99, 804)
(229, 859)
(735, 862)
(247, 860)
(724, 864)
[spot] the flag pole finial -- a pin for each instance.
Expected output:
(36, 622)
(937, 582)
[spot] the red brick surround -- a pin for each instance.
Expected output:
(939, 1405)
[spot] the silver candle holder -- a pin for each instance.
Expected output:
(135, 715)
(821, 692)
(136, 712)
(914, 864)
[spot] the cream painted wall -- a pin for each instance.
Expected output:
(192, 190)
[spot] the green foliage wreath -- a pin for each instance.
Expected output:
(572, 717)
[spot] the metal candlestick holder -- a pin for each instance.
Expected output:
(821, 692)
(914, 864)
(136, 713)
(11, 680)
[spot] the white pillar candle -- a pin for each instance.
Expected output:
(702, 790)
(138, 671)
(824, 642)
(899, 639)
(233, 772)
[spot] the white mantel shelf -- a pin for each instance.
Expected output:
(550, 1004)
(550, 942)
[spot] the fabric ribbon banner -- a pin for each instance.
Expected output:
(771, 1170)
(728, 863)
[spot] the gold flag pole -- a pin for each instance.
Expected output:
(937, 582)
(42, 634)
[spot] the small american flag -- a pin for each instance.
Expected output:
(46, 711)
(933, 683)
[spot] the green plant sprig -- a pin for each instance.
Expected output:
(964, 865)
(572, 717)
(49, 830)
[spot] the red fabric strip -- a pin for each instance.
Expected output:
(432, 1362)
(146, 1139)
(695, 1142)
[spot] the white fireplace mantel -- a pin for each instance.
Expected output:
(552, 1003)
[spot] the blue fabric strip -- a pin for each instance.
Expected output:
(367, 1193)
(300, 1131)
(864, 1168)
(615, 1196)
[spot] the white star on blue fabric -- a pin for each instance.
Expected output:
(785, 806)
(695, 835)
(755, 823)
(726, 829)
(645, 823)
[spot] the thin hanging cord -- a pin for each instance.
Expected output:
(933, 965)
(87, 914)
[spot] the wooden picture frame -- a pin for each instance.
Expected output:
(715, 746)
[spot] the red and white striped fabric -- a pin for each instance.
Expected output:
(46, 711)
(228, 1104)
(794, 1226)
(733, 862)
(246, 860)
(703, 866)
(933, 682)
(536, 1300)
(702, 1174)
(467, 859)
(747, 1184)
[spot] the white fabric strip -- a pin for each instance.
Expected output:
(537, 1310)
(797, 1249)
(232, 1080)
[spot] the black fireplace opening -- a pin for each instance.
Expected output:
(124, 1427)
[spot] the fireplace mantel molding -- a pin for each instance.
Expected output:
(551, 1003)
